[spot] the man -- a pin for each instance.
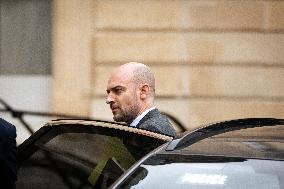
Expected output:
(130, 94)
(8, 162)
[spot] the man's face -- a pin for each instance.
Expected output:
(122, 96)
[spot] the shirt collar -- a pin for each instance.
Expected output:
(138, 118)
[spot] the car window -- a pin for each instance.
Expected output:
(200, 172)
(260, 142)
(80, 156)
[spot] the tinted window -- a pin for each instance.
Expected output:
(262, 142)
(79, 157)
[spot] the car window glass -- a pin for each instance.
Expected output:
(264, 142)
(266, 132)
(85, 159)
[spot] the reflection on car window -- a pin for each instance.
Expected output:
(115, 159)
(253, 174)
(82, 157)
(259, 142)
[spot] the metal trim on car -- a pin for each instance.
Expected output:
(113, 125)
(74, 125)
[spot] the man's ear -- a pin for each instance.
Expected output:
(144, 91)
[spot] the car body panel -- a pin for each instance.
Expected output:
(195, 172)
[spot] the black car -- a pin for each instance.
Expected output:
(246, 153)
(236, 154)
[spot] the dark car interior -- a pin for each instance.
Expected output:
(79, 156)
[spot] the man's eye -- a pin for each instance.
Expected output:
(118, 91)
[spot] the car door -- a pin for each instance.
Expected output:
(82, 154)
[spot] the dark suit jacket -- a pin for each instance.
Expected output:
(8, 162)
(156, 122)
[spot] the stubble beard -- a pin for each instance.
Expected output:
(127, 115)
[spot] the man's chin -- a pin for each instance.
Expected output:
(117, 119)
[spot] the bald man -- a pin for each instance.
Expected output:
(130, 95)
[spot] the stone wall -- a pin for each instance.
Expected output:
(213, 59)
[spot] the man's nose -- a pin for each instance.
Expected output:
(109, 98)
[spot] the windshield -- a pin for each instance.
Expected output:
(198, 172)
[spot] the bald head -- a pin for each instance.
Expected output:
(138, 73)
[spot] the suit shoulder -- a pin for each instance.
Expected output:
(155, 121)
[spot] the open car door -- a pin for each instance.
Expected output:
(82, 154)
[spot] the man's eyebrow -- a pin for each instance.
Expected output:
(116, 88)
(119, 87)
